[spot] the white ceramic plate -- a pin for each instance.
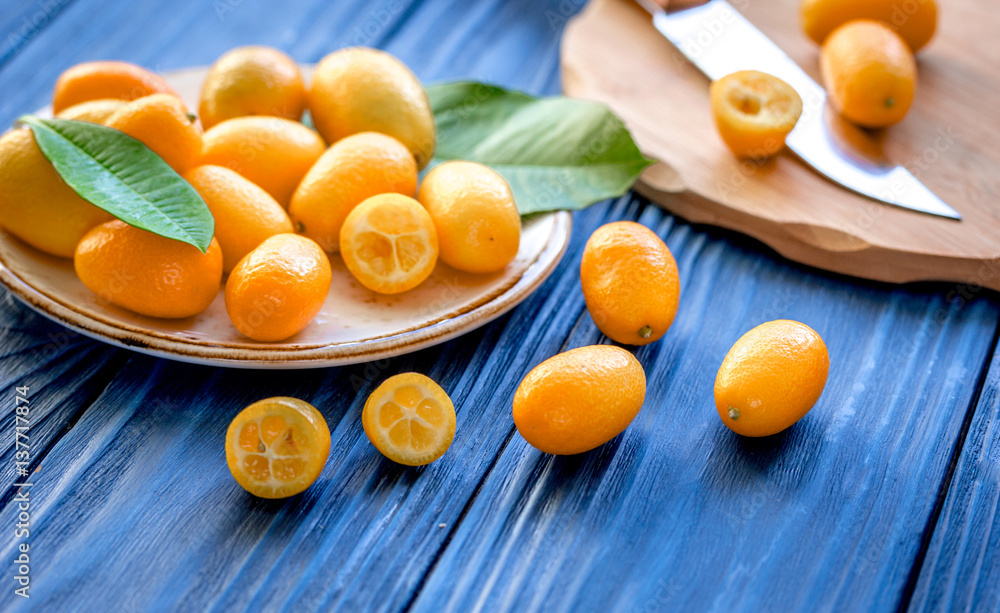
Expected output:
(355, 325)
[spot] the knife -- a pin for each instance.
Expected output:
(720, 41)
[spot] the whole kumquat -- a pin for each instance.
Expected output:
(252, 80)
(36, 205)
(148, 273)
(630, 283)
(162, 123)
(771, 378)
(578, 400)
(273, 152)
(352, 170)
(869, 73)
(245, 215)
(914, 20)
(359, 89)
(278, 288)
(106, 79)
(477, 222)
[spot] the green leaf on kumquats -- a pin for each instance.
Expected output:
(124, 177)
(556, 153)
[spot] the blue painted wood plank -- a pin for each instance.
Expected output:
(508, 43)
(961, 571)
(681, 514)
(63, 372)
(21, 20)
(137, 511)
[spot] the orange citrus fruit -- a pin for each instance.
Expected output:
(754, 112)
(366, 90)
(162, 123)
(389, 244)
(352, 170)
(273, 152)
(252, 80)
(869, 72)
(409, 419)
(105, 79)
(477, 222)
(94, 111)
(278, 288)
(277, 447)
(630, 282)
(771, 377)
(147, 273)
(36, 205)
(914, 20)
(244, 214)
(578, 400)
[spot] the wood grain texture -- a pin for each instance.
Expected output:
(143, 471)
(64, 372)
(961, 570)
(680, 514)
(136, 510)
(20, 21)
(612, 53)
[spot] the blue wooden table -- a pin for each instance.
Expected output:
(885, 497)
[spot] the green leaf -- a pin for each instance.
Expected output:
(125, 178)
(556, 153)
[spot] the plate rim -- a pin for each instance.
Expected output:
(275, 357)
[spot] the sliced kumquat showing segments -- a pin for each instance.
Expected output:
(754, 112)
(389, 243)
(277, 447)
(410, 419)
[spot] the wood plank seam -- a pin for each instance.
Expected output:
(419, 587)
(932, 520)
(475, 493)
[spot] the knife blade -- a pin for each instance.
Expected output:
(717, 39)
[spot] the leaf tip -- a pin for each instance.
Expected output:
(25, 120)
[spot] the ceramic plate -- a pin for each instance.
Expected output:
(355, 325)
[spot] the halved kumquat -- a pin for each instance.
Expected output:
(389, 243)
(754, 112)
(277, 447)
(410, 419)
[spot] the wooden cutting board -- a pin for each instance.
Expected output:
(950, 141)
